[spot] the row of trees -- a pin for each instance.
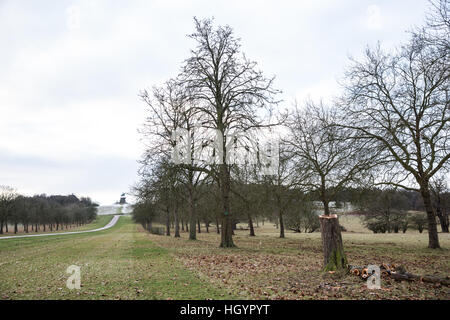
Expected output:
(390, 210)
(42, 212)
(389, 127)
(382, 210)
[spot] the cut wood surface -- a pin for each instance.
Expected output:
(398, 273)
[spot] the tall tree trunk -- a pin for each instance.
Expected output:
(6, 225)
(207, 226)
(167, 222)
(433, 239)
(250, 224)
(324, 196)
(217, 225)
(280, 217)
(199, 228)
(333, 249)
(15, 227)
(227, 227)
(177, 223)
(192, 216)
(326, 207)
(1, 226)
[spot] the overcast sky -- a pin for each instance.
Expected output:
(71, 71)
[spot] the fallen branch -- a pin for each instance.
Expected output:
(398, 274)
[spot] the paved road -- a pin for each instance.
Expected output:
(109, 225)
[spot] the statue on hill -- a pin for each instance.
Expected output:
(123, 199)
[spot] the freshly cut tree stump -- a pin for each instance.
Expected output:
(333, 249)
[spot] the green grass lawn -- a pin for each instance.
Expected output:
(118, 263)
(267, 267)
(125, 262)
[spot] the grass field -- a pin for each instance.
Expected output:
(99, 222)
(118, 263)
(125, 262)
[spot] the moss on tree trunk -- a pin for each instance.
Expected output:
(333, 248)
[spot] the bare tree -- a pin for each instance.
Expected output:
(280, 187)
(327, 159)
(437, 25)
(169, 112)
(7, 196)
(400, 101)
(229, 91)
(242, 187)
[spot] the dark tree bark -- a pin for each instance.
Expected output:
(227, 220)
(433, 239)
(167, 222)
(280, 218)
(250, 225)
(176, 223)
(217, 225)
(333, 248)
(443, 219)
(326, 206)
(192, 217)
(198, 225)
(438, 189)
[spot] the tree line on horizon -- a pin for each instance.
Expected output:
(42, 212)
(381, 210)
